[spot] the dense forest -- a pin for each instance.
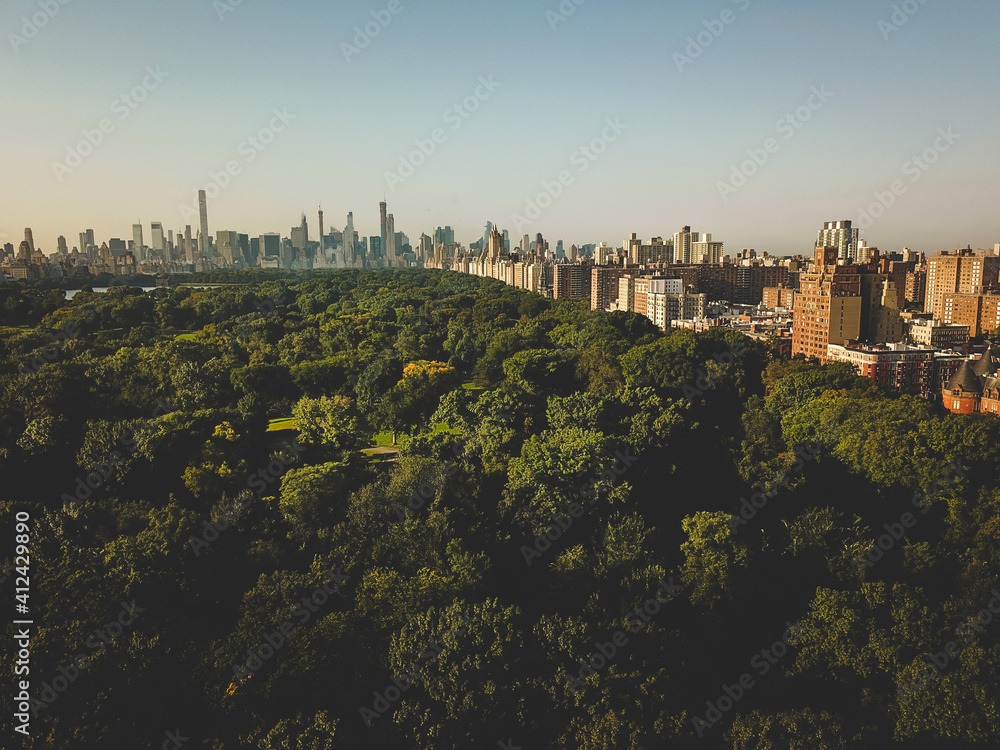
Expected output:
(425, 510)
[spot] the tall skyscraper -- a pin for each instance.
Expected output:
(158, 243)
(29, 239)
(86, 239)
(300, 236)
(61, 246)
(426, 248)
(203, 213)
(137, 243)
(347, 249)
(444, 236)
(841, 235)
(682, 245)
(270, 245)
(188, 249)
(383, 219)
(390, 241)
(322, 248)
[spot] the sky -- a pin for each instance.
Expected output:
(586, 121)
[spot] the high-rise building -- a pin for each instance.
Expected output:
(375, 248)
(827, 306)
(959, 272)
(841, 235)
(270, 245)
(703, 250)
(347, 248)
(138, 248)
(570, 281)
(494, 245)
(383, 223)
(682, 245)
(203, 234)
(86, 239)
(30, 240)
(980, 312)
(188, 248)
(525, 245)
(444, 236)
(158, 241)
(426, 248)
(390, 241)
(657, 251)
(604, 286)
(61, 247)
(322, 246)
(300, 236)
(228, 246)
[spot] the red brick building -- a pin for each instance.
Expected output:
(974, 388)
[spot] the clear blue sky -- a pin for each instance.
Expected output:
(685, 130)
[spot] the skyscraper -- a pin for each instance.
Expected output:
(137, 243)
(203, 212)
(188, 250)
(86, 239)
(383, 219)
(389, 243)
(61, 246)
(347, 249)
(322, 248)
(270, 245)
(158, 243)
(841, 235)
(29, 239)
(682, 245)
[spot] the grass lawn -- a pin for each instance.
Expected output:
(279, 425)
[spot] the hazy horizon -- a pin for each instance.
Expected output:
(512, 92)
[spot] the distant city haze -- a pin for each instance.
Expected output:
(755, 121)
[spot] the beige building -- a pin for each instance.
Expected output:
(959, 272)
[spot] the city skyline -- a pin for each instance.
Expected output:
(772, 139)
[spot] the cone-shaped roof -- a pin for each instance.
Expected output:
(986, 364)
(966, 378)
